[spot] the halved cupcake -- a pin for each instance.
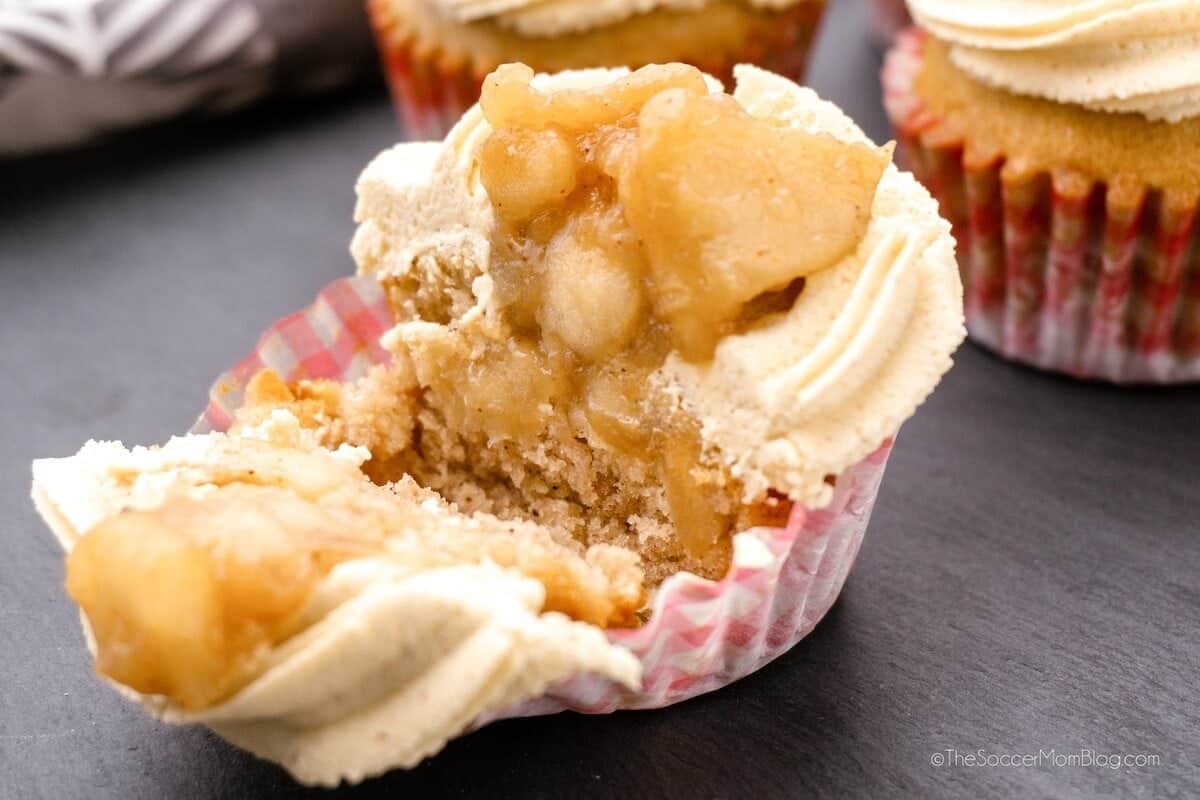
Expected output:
(436, 52)
(637, 320)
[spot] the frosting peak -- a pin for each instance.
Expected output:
(1140, 56)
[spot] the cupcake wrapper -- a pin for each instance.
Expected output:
(1058, 271)
(431, 90)
(888, 17)
(701, 634)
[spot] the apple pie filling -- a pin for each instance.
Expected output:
(635, 220)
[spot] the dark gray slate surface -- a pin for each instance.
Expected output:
(1031, 580)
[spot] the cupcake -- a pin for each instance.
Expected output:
(616, 443)
(436, 52)
(1062, 142)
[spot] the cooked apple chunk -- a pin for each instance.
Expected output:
(715, 206)
(729, 207)
(509, 99)
(184, 600)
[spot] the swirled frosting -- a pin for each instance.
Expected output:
(783, 405)
(554, 17)
(1139, 56)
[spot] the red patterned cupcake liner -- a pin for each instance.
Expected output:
(1058, 271)
(701, 634)
(432, 90)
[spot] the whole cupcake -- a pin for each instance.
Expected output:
(436, 52)
(1062, 141)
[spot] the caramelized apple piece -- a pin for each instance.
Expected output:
(729, 206)
(697, 523)
(612, 404)
(593, 302)
(508, 99)
(526, 171)
(505, 389)
(184, 600)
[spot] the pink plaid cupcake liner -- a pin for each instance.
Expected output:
(701, 634)
(432, 90)
(1058, 271)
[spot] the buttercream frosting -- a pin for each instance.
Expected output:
(1140, 56)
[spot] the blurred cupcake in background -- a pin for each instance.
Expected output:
(436, 52)
(1063, 144)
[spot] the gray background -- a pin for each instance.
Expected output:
(1031, 579)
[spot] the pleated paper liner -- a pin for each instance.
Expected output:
(701, 634)
(432, 88)
(1059, 271)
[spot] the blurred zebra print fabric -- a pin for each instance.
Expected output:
(70, 69)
